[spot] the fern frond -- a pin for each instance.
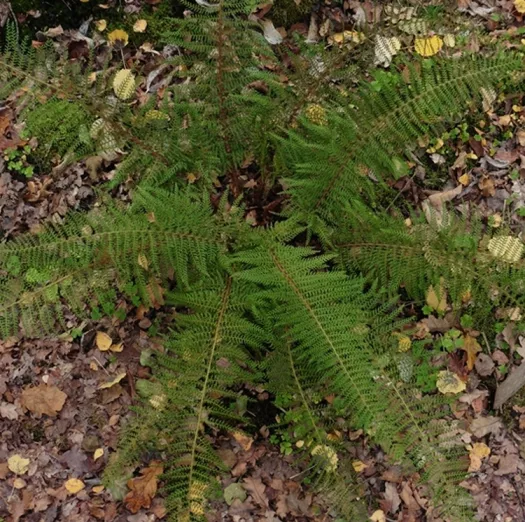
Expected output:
(340, 338)
(205, 360)
(331, 163)
(77, 262)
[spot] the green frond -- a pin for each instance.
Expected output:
(340, 338)
(77, 262)
(333, 162)
(206, 360)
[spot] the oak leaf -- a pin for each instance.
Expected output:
(44, 399)
(143, 488)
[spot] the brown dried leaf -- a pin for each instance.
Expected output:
(44, 399)
(143, 488)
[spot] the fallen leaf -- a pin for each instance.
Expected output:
(359, 466)
(378, 516)
(234, 491)
(508, 465)
(116, 380)
(118, 36)
(482, 426)
(117, 348)
(143, 488)
(486, 185)
(140, 26)
(428, 46)
(101, 25)
(257, 490)
(464, 179)
(520, 134)
(243, 440)
(478, 451)
(98, 489)
(18, 464)
(472, 347)
(449, 382)
(484, 365)
(43, 399)
(98, 453)
(19, 483)
(520, 6)
(74, 485)
(103, 341)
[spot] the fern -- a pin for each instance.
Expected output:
(206, 358)
(339, 339)
(79, 261)
(332, 163)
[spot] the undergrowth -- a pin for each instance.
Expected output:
(309, 306)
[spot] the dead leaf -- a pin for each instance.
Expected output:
(511, 385)
(359, 466)
(486, 185)
(484, 365)
(257, 490)
(140, 26)
(116, 380)
(143, 488)
(378, 516)
(74, 485)
(43, 399)
(449, 382)
(482, 426)
(18, 464)
(507, 465)
(98, 453)
(437, 299)
(103, 341)
(472, 347)
(477, 452)
(243, 440)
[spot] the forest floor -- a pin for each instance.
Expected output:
(64, 400)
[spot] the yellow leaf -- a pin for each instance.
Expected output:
(299, 443)
(118, 35)
(103, 341)
(359, 466)
(124, 84)
(437, 300)
(18, 464)
(116, 380)
(140, 26)
(101, 25)
(464, 179)
(428, 46)
(449, 382)
(520, 6)
(74, 485)
(477, 452)
(378, 516)
(472, 347)
(98, 453)
(507, 248)
(117, 347)
(19, 483)
(98, 489)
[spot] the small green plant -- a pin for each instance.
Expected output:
(18, 160)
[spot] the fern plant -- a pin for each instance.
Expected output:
(258, 306)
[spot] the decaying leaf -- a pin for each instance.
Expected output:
(472, 347)
(18, 464)
(74, 485)
(116, 380)
(140, 26)
(359, 466)
(118, 36)
(519, 5)
(449, 382)
(98, 453)
(124, 84)
(378, 516)
(477, 452)
(43, 399)
(143, 488)
(428, 46)
(103, 341)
